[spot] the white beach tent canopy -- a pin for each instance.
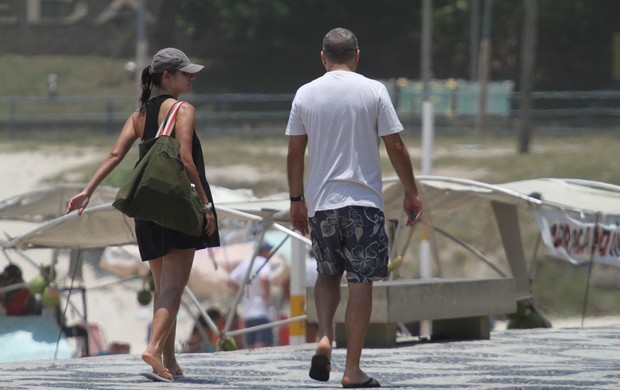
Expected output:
(581, 213)
(585, 196)
(573, 215)
(49, 202)
(102, 225)
(584, 204)
(98, 226)
(445, 194)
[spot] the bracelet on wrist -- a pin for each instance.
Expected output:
(299, 198)
(207, 206)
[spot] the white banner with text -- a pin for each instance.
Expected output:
(579, 238)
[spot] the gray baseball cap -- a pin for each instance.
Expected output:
(173, 59)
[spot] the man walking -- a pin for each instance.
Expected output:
(341, 117)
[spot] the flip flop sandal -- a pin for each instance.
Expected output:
(368, 384)
(320, 368)
(157, 377)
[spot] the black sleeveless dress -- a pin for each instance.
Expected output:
(153, 240)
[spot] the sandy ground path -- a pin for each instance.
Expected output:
(22, 172)
(25, 171)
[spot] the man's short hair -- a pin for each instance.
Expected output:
(340, 45)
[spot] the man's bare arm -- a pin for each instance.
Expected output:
(295, 174)
(399, 157)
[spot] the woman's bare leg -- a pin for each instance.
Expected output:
(170, 359)
(156, 270)
(173, 269)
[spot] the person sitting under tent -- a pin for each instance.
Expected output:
(18, 301)
(197, 341)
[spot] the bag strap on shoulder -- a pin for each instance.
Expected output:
(167, 125)
(163, 122)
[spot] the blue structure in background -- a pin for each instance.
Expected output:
(450, 97)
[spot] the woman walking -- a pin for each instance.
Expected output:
(170, 254)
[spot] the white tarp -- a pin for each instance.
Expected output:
(583, 196)
(105, 226)
(97, 227)
(447, 194)
(578, 219)
(46, 203)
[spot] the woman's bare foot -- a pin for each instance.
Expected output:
(176, 371)
(173, 366)
(155, 362)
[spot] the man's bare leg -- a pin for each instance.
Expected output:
(357, 317)
(327, 297)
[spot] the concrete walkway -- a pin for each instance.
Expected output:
(567, 358)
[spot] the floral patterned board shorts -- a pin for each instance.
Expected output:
(351, 239)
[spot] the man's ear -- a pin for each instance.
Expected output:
(323, 58)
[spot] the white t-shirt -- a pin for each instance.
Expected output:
(253, 305)
(344, 114)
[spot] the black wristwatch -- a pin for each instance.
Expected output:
(299, 198)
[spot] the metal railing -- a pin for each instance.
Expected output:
(251, 112)
(110, 112)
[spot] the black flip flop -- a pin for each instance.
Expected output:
(368, 384)
(320, 368)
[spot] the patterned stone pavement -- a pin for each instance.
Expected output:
(566, 358)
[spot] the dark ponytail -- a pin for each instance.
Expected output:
(146, 84)
(147, 81)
